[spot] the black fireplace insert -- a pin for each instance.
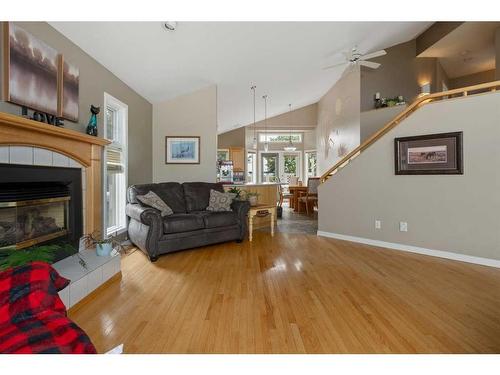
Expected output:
(40, 205)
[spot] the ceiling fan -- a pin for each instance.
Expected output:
(354, 57)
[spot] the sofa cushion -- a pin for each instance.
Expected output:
(153, 200)
(220, 201)
(170, 192)
(197, 194)
(177, 223)
(219, 219)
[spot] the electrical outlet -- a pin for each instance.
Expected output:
(403, 226)
(378, 224)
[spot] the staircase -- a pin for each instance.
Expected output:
(418, 103)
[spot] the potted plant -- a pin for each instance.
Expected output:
(252, 197)
(236, 191)
(103, 245)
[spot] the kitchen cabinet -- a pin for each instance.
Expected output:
(237, 155)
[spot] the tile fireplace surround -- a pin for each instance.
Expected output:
(27, 142)
(33, 143)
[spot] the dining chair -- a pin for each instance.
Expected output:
(293, 180)
(310, 196)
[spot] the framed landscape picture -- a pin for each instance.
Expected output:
(182, 150)
(429, 154)
(30, 70)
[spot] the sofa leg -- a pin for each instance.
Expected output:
(239, 241)
(153, 258)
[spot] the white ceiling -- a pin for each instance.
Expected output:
(284, 59)
(468, 49)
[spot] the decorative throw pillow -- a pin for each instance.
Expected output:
(220, 201)
(152, 200)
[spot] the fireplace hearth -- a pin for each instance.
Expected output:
(40, 205)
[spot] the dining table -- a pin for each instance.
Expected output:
(295, 190)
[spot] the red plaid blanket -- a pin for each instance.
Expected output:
(33, 317)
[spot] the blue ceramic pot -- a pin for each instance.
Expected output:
(104, 250)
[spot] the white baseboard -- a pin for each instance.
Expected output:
(414, 249)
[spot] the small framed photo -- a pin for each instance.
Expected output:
(182, 150)
(429, 154)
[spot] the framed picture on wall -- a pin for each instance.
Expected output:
(182, 150)
(429, 154)
(30, 70)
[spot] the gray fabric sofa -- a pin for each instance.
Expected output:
(189, 226)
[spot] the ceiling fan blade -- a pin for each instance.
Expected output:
(372, 55)
(334, 65)
(369, 64)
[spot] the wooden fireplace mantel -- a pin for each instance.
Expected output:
(83, 148)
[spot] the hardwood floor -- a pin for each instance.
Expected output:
(295, 294)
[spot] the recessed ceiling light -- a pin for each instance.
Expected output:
(169, 25)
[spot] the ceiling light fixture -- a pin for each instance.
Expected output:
(290, 146)
(169, 25)
(266, 144)
(254, 143)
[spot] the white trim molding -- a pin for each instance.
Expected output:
(414, 249)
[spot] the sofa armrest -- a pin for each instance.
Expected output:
(241, 209)
(145, 228)
(145, 215)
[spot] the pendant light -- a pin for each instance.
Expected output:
(290, 146)
(254, 143)
(266, 144)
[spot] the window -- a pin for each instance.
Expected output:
(269, 167)
(115, 129)
(280, 138)
(311, 164)
(279, 166)
(251, 167)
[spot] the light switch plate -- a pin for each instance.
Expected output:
(378, 224)
(403, 226)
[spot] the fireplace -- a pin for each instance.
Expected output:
(40, 205)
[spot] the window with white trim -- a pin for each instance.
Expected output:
(115, 174)
(280, 137)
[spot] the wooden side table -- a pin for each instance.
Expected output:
(261, 210)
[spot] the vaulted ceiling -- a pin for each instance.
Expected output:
(283, 59)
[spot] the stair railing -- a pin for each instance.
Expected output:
(419, 102)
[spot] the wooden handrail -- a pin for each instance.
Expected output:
(419, 102)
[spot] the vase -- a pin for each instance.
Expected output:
(103, 249)
(92, 126)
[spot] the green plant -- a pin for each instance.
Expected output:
(12, 257)
(249, 194)
(95, 238)
(235, 190)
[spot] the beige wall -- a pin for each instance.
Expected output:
(301, 118)
(339, 119)
(94, 81)
(472, 79)
(455, 213)
(193, 114)
(234, 138)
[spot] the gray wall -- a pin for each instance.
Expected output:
(497, 55)
(455, 213)
(401, 73)
(472, 79)
(374, 120)
(94, 81)
(339, 119)
(193, 114)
